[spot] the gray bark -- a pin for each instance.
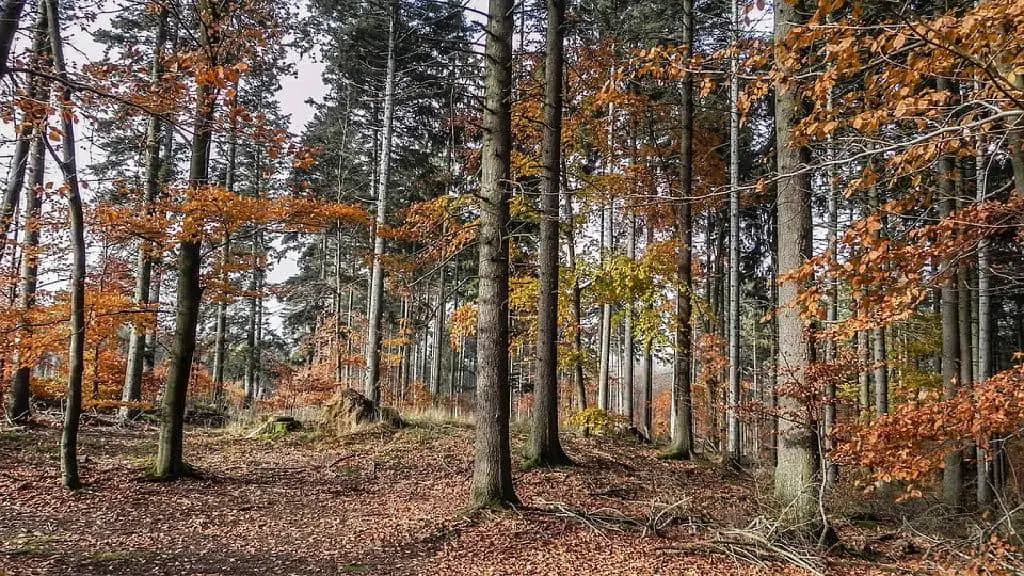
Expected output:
(544, 446)
(9, 20)
(132, 389)
(735, 450)
(76, 350)
(952, 473)
(373, 331)
(682, 426)
(797, 468)
(492, 472)
(169, 462)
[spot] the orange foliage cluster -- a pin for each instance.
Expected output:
(910, 443)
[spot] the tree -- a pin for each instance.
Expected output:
(169, 462)
(492, 473)
(373, 334)
(154, 134)
(682, 431)
(545, 448)
(69, 168)
(797, 465)
(35, 163)
(10, 15)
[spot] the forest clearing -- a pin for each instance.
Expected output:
(508, 287)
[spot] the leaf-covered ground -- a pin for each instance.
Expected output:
(371, 503)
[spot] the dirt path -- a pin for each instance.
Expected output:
(373, 504)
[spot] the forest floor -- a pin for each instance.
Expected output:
(392, 502)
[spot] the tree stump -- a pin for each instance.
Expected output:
(350, 409)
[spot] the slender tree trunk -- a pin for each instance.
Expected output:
(795, 474)
(577, 308)
(36, 164)
(169, 463)
(604, 367)
(69, 168)
(985, 487)
(735, 451)
(628, 341)
(492, 474)
(9, 20)
(373, 321)
(132, 389)
(647, 369)
(544, 447)
(438, 329)
(20, 389)
(682, 427)
(455, 365)
(831, 468)
(952, 473)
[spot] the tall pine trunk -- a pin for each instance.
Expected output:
(492, 473)
(544, 447)
(682, 425)
(376, 309)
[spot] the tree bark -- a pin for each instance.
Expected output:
(9, 20)
(628, 339)
(492, 474)
(952, 473)
(20, 388)
(797, 468)
(985, 485)
(36, 164)
(132, 390)
(544, 447)
(682, 426)
(577, 308)
(735, 450)
(373, 331)
(438, 330)
(69, 169)
(169, 462)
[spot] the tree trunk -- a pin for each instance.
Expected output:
(985, 487)
(21, 385)
(682, 427)
(797, 468)
(831, 468)
(952, 474)
(544, 447)
(9, 20)
(438, 330)
(76, 350)
(735, 451)
(628, 341)
(577, 308)
(604, 366)
(373, 330)
(132, 390)
(492, 474)
(20, 389)
(169, 463)
(647, 369)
